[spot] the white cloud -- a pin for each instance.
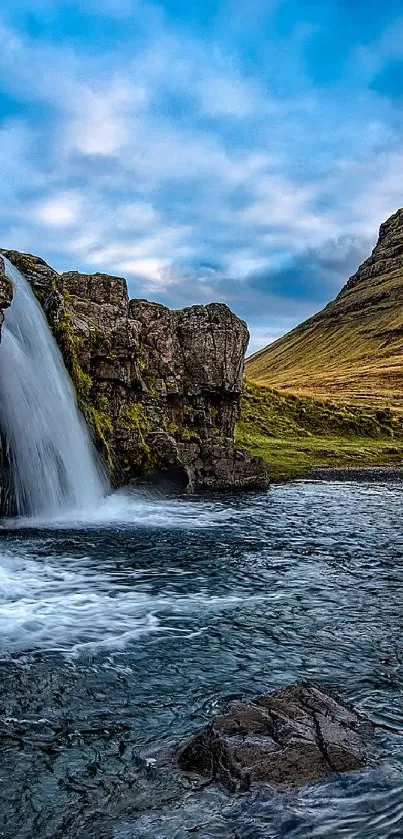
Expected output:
(280, 203)
(262, 336)
(62, 210)
(150, 257)
(114, 174)
(135, 215)
(241, 262)
(99, 121)
(226, 95)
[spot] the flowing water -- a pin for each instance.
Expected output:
(124, 631)
(53, 464)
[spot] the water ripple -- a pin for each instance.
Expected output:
(152, 615)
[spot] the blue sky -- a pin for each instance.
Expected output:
(243, 152)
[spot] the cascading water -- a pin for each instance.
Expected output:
(54, 466)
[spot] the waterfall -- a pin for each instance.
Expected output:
(53, 464)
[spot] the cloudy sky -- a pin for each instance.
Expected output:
(208, 150)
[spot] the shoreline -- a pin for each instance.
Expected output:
(359, 474)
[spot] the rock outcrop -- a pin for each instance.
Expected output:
(6, 291)
(290, 737)
(160, 388)
(6, 294)
(353, 349)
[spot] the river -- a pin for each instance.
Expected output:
(123, 631)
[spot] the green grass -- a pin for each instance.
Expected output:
(294, 435)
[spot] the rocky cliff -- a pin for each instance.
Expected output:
(6, 294)
(353, 349)
(159, 388)
(6, 291)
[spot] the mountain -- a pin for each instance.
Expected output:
(351, 351)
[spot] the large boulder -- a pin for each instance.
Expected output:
(160, 388)
(290, 737)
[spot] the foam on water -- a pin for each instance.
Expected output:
(54, 466)
(134, 509)
(59, 604)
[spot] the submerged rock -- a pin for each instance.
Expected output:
(161, 389)
(290, 737)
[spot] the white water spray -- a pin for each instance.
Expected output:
(54, 466)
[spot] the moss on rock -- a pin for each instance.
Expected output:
(133, 418)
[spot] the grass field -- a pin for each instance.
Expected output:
(294, 434)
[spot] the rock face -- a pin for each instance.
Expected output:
(291, 737)
(6, 294)
(160, 388)
(6, 291)
(353, 349)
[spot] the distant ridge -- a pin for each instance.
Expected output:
(353, 349)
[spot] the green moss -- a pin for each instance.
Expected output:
(132, 417)
(103, 401)
(150, 382)
(40, 295)
(181, 434)
(26, 263)
(102, 424)
(95, 407)
(141, 357)
(187, 435)
(70, 346)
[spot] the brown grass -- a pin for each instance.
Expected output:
(352, 350)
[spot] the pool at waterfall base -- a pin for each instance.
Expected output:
(126, 629)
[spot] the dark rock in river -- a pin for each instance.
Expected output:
(291, 737)
(161, 389)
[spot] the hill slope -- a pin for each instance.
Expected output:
(353, 349)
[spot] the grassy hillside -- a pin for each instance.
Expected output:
(295, 434)
(351, 351)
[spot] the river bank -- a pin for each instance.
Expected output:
(359, 474)
(296, 436)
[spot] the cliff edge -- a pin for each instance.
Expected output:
(160, 389)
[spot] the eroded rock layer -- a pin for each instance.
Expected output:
(160, 388)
